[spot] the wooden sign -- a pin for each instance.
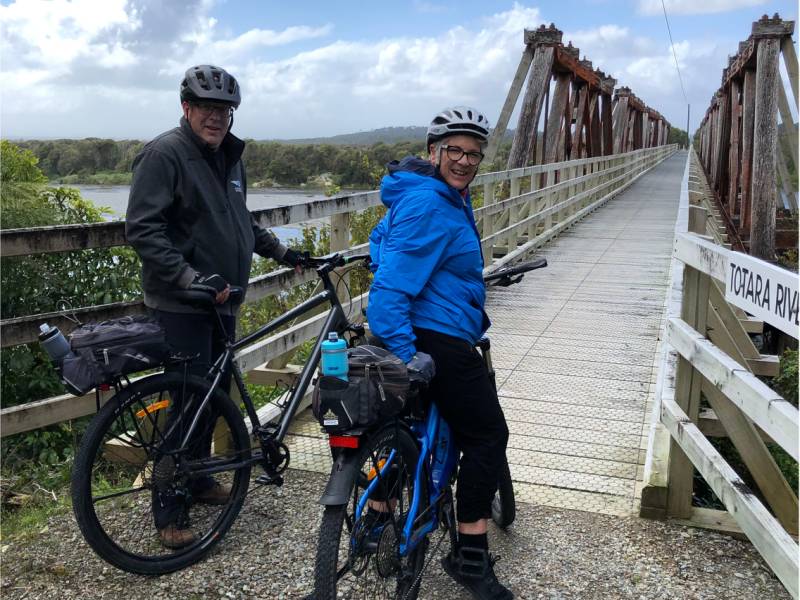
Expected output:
(763, 290)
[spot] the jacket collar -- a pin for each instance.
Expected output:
(232, 146)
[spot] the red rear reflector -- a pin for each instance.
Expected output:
(343, 441)
(104, 387)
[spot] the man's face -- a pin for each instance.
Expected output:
(457, 171)
(208, 120)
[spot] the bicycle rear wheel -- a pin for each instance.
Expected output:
(504, 506)
(127, 462)
(358, 555)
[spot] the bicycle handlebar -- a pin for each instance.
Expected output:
(505, 275)
(203, 296)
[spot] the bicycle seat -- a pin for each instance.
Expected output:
(205, 299)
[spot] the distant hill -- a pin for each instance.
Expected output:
(387, 135)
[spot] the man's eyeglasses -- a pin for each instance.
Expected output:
(207, 109)
(455, 154)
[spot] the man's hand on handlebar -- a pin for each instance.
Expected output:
(212, 284)
(421, 368)
(295, 259)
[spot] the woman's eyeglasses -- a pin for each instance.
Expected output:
(455, 154)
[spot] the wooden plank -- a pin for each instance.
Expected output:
(748, 121)
(756, 457)
(772, 542)
(508, 106)
(62, 238)
(620, 124)
(762, 226)
(720, 521)
(701, 254)
(688, 382)
(607, 125)
(790, 61)
(271, 377)
(35, 415)
(581, 121)
(789, 126)
(557, 109)
(734, 154)
(777, 417)
(25, 330)
(528, 122)
(732, 327)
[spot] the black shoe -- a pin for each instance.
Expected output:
(473, 568)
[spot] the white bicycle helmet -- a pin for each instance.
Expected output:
(455, 120)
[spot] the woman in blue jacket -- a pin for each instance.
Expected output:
(426, 305)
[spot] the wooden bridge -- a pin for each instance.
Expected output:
(602, 357)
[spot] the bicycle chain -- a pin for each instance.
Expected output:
(425, 566)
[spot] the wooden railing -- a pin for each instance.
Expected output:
(530, 216)
(744, 153)
(708, 353)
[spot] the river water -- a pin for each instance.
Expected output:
(115, 197)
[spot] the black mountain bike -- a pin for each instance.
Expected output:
(147, 443)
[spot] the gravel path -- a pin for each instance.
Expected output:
(549, 553)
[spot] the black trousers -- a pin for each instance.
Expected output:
(191, 335)
(468, 403)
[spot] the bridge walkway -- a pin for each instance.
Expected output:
(574, 347)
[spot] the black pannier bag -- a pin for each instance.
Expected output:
(376, 389)
(104, 351)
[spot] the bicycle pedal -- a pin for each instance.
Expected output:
(266, 479)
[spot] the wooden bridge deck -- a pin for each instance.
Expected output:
(574, 347)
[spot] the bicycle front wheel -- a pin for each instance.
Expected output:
(146, 505)
(358, 555)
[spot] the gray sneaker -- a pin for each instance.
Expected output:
(474, 569)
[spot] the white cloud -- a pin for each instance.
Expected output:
(117, 75)
(694, 7)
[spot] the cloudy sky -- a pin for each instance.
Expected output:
(111, 68)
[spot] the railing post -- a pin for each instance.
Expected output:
(488, 222)
(513, 215)
(762, 227)
(688, 383)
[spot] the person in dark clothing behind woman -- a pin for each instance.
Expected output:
(188, 221)
(426, 306)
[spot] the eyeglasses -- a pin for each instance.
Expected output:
(206, 109)
(455, 154)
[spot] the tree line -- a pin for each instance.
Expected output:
(95, 160)
(268, 163)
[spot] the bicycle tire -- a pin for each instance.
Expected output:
(123, 457)
(346, 563)
(504, 505)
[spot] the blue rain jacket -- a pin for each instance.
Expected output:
(427, 261)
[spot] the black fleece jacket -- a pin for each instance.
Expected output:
(187, 214)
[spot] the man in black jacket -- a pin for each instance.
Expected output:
(188, 221)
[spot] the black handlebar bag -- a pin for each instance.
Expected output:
(105, 351)
(375, 390)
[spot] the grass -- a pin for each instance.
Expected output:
(28, 520)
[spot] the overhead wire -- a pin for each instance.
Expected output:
(675, 56)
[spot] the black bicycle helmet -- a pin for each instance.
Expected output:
(210, 83)
(457, 120)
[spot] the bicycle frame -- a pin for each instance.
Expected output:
(336, 321)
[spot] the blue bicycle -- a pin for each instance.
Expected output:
(389, 489)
